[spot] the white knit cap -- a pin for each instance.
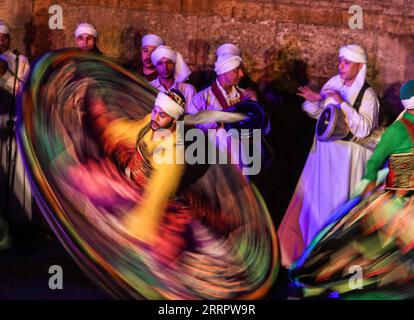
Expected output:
(86, 28)
(227, 62)
(152, 40)
(353, 53)
(169, 106)
(408, 103)
(4, 28)
(228, 49)
(163, 52)
(181, 70)
(407, 94)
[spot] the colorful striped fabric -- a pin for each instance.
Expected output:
(365, 252)
(84, 195)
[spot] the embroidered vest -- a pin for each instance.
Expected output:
(401, 166)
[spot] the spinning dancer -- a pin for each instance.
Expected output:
(134, 223)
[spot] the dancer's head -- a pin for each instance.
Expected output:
(168, 108)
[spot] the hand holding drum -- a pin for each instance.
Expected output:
(333, 94)
(332, 126)
(255, 117)
(248, 94)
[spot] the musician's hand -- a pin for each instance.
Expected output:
(335, 95)
(3, 67)
(309, 94)
(369, 188)
(248, 94)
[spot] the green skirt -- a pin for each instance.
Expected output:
(366, 251)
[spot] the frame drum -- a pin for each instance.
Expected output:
(331, 124)
(256, 117)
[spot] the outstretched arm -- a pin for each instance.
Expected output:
(143, 221)
(114, 131)
(312, 105)
(389, 144)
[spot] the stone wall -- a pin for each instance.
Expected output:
(17, 14)
(285, 43)
(275, 36)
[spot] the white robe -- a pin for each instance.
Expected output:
(206, 100)
(7, 80)
(20, 202)
(331, 172)
(187, 90)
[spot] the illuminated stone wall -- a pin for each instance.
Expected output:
(273, 35)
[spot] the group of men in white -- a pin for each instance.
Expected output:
(332, 169)
(161, 65)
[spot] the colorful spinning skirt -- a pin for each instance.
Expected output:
(366, 251)
(216, 240)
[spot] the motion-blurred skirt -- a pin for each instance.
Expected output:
(216, 240)
(365, 251)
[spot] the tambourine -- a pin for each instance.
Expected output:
(256, 118)
(332, 126)
(85, 194)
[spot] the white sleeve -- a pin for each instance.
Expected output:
(199, 103)
(153, 83)
(196, 104)
(361, 123)
(190, 92)
(313, 109)
(7, 81)
(23, 72)
(24, 69)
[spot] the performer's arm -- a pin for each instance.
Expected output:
(313, 109)
(316, 101)
(200, 103)
(22, 75)
(389, 144)
(122, 132)
(362, 122)
(6, 76)
(197, 104)
(248, 94)
(112, 130)
(190, 92)
(312, 106)
(142, 222)
(23, 72)
(6, 81)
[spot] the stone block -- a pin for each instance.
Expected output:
(171, 6)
